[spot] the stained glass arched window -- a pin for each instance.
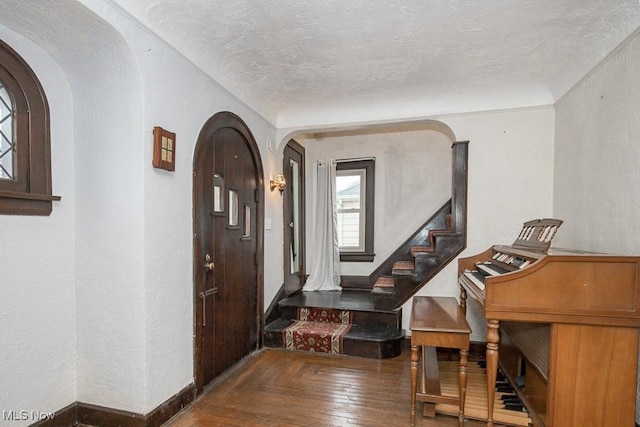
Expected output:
(25, 158)
(6, 134)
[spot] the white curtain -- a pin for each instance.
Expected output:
(324, 256)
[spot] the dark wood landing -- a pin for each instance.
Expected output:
(348, 299)
(361, 300)
(375, 333)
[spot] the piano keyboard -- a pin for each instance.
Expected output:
(491, 269)
(580, 321)
(512, 260)
(475, 277)
(488, 268)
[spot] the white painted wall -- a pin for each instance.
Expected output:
(106, 167)
(181, 105)
(117, 264)
(412, 181)
(597, 154)
(510, 182)
(95, 300)
(37, 285)
(180, 98)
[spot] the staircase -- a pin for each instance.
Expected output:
(385, 284)
(417, 260)
(375, 329)
(373, 333)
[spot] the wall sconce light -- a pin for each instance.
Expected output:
(164, 149)
(278, 183)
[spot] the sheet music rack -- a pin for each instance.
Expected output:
(536, 235)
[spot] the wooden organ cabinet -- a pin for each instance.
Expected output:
(567, 321)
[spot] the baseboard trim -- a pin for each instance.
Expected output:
(65, 417)
(94, 415)
(171, 406)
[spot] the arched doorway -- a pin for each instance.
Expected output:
(228, 190)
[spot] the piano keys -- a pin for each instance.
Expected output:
(587, 307)
(475, 277)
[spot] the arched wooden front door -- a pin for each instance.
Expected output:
(228, 246)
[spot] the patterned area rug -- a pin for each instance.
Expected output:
(317, 330)
(320, 337)
(312, 314)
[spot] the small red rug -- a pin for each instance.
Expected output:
(320, 337)
(313, 314)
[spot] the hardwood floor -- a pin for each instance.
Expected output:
(279, 388)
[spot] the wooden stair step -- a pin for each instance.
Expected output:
(361, 303)
(373, 342)
(375, 333)
(403, 268)
(384, 285)
(422, 251)
(385, 282)
(439, 232)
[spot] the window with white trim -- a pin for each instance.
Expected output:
(351, 208)
(354, 207)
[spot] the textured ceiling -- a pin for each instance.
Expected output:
(309, 62)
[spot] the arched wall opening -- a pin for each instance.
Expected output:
(413, 171)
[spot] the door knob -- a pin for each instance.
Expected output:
(208, 263)
(291, 224)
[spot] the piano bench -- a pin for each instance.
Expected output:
(437, 322)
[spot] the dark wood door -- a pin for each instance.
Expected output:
(293, 217)
(228, 237)
(235, 304)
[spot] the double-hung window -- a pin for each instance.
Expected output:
(355, 182)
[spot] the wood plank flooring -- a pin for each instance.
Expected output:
(278, 388)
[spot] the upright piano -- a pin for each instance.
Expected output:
(563, 324)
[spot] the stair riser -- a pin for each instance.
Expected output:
(355, 282)
(352, 346)
(403, 273)
(372, 349)
(391, 319)
(273, 339)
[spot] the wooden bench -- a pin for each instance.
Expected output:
(437, 322)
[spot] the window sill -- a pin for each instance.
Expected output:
(356, 257)
(15, 203)
(28, 196)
